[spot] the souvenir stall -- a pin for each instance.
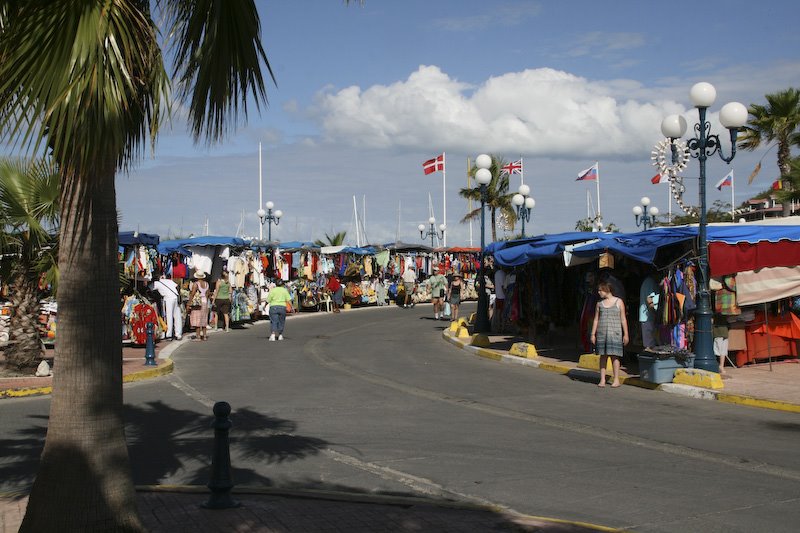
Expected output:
(754, 281)
(542, 295)
(140, 260)
(756, 275)
(215, 255)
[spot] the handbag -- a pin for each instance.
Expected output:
(289, 308)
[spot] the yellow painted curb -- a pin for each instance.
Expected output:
(698, 378)
(20, 393)
(755, 402)
(591, 361)
(479, 339)
(489, 354)
(161, 370)
(558, 369)
(524, 349)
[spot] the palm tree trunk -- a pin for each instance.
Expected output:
(24, 349)
(784, 159)
(84, 481)
(494, 224)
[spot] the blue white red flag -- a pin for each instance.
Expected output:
(589, 174)
(512, 168)
(727, 181)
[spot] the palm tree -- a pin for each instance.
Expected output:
(777, 122)
(85, 80)
(29, 217)
(336, 240)
(791, 194)
(497, 196)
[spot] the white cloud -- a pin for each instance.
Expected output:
(540, 112)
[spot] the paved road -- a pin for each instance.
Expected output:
(375, 401)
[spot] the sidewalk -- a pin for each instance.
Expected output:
(133, 369)
(775, 386)
(177, 509)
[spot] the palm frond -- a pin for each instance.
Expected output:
(218, 56)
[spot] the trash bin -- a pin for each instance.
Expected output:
(658, 365)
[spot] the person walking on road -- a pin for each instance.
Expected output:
(221, 299)
(277, 299)
(609, 331)
(198, 306)
(409, 280)
(454, 295)
(170, 296)
(438, 285)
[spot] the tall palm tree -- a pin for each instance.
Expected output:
(777, 122)
(29, 194)
(791, 194)
(337, 239)
(86, 81)
(497, 196)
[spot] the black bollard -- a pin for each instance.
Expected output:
(150, 347)
(221, 481)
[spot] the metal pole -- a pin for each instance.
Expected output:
(523, 217)
(269, 225)
(704, 341)
(482, 324)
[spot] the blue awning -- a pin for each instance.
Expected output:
(180, 245)
(542, 246)
(131, 238)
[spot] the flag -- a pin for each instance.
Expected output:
(589, 174)
(727, 181)
(433, 165)
(754, 173)
(512, 168)
(658, 178)
(777, 185)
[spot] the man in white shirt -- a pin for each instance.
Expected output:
(409, 280)
(170, 292)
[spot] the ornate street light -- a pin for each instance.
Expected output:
(524, 205)
(431, 232)
(732, 116)
(483, 176)
(268, 216)
(645, 217)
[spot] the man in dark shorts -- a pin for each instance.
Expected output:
(336, 290)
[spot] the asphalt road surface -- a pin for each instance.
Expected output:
(374, 401)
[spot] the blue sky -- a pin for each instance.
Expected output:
(366, 93)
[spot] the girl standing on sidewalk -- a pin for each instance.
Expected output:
(609, 332)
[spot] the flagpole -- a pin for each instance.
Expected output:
(444, 198)
(260, 202)
(469, 201)
(599, 213)
(521, 171)
(733, 216)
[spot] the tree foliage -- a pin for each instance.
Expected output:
(497, 196)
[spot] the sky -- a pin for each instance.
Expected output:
(367, 92)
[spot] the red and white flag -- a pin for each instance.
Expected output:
(512, 168)
(658, 178)
(433, 165)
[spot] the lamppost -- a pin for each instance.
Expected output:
(431, 232)
(733, 116)
(268, 216)
(645, 217)
(483, 176)
(524, 205)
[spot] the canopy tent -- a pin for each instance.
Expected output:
(739, 248)
(180, 245)
(131, 238)
(405, 247)
(519, 252)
